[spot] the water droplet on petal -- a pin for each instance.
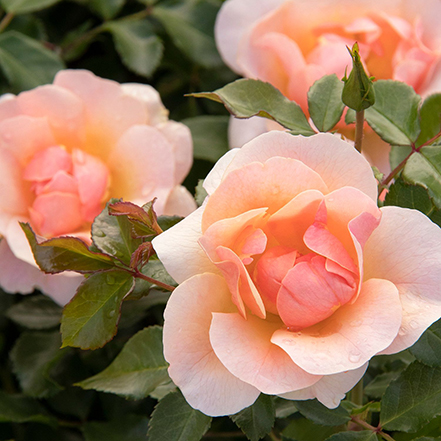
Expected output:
(402, 331)
(354, 357)
(356, 323)
(111, 314)
(99, 233)
(288, 341)
(413, 324)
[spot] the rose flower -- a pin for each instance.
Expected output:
(293, 43)
(65, 149)
(291, 278)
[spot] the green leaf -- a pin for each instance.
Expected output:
(424, 168)
(358, 93)
(364, 435)
(407, 195)
(25, 62)
(25, 6)
(379, 384)
(36, 312)
(113, 235)
(175, 420)
(64, 254)
(258, 419)
(190, 24)
(428, 348)
(20, 409)
(90, 319)
(127, 427)
(107, 9)
(210, 136)
(166, 222)
(413, 399)
(200, 193)
(430, 118)
(139, 47)
(394, 116)
(305, 430)
(319, 414)
(137, 370)
(246, 98)
(33, 356)
(324, 102)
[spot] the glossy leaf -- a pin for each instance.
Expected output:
(394, 116)
(190, 24)
(324, 102)
(246, 98)
(175, 420)
(129, 427)
(113, 235)
(210, 136)
(25, 62)
(430, 118)
(36, 312)
(364, 435)
(65, 254)
(379, 384)
(90, 319)
(428, 348)
(107, 9)
(32, 357)
(20, 409)
(138, 369)
(258, 419)
(424, 168)
(413, 399)
(320, 414)
(139, 47)
(25, 6)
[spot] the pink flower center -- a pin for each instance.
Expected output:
(69, 190)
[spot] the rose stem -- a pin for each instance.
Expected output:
(359, 121)
(140, 275)
(367, 426)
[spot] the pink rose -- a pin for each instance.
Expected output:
(293, 43)
(291, 277)
(65, 149)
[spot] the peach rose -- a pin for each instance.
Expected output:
(291, 277)
(65, 149)
(293, 43)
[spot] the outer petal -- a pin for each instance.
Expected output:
(205, 382)
(17, 276)
(233, 21)
(180, 202)
(142, 166)
(214, 177)
(179, 250)
(335, 160)
(241, 131)
(406, 250)
(331, 389)
(351, 336)
(244, 347)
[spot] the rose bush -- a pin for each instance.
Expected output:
(293, 43)
(65, 149)
(292, 278)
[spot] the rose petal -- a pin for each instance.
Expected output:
(259, 185)
(331, 389)
(214, 177)
(244, 347)
(46, 163)
(409, 258)
(179, 250)
(336, 161)
(351, 336)
(180, 202)
(205, 382)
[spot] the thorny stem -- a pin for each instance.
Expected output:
(4, 23)
(140, 275)
(383, 184)
(359, 121)
(367, 426)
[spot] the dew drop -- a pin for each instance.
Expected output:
(99, 233)
(354, 357)
(356, 323)
(288, 341)
(402, 331)
(111, 314)
(413, 324)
